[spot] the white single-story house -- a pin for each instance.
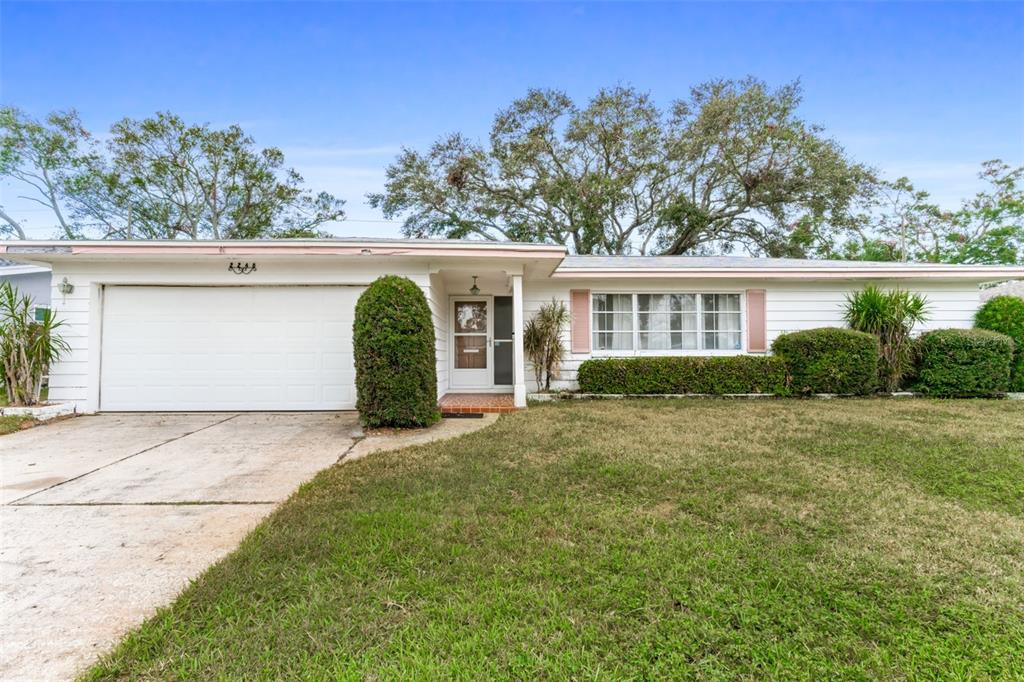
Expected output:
(267, 325)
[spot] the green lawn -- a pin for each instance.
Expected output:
(643, 540)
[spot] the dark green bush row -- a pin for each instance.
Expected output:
(963, 363)
(829, 360)
(1005, 314)
(683, 374)
(396, 370)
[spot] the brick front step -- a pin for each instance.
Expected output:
(476, 403)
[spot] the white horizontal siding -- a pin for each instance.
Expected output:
(438, 300)
(789, 306)
(75, 377)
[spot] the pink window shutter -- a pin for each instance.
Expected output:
(757, 322)
(579, 320)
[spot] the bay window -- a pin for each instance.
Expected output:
(678, 322)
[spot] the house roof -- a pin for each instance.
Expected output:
(8, 268)
(48, 251)
(687, 262)
(780, 268)
(568, 266)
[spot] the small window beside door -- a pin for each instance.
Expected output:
(40, 312)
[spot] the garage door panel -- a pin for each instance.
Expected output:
(228, 348)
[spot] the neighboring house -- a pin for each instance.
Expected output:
(267, 325)
(28, 279)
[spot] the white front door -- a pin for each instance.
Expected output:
(472, 350)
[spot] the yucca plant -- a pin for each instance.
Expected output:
(27, 347)
(891, 316)
(542, 341)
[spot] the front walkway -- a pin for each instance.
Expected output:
(107, 517)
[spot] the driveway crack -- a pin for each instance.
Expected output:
(20, 500)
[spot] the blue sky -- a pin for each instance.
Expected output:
(924, 90)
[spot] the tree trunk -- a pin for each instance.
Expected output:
(13, 223)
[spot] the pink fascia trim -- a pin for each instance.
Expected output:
(959, 272)
(297, 249)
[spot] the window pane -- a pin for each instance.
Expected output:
(470, 317)
(613, 303)
(653, 303)
(722, 323)
(666, 303)
(662, 318)
(613, 321)
(722, 340)
(721, 303)
(613, 341)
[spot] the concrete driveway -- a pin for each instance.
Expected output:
(104, 518)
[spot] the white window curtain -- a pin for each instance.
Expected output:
(722, 325)
(613, 321)
(667, 321)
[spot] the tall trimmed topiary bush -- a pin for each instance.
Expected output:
(962, 363)
(830, 360)
(396, 367)
(1005, 314)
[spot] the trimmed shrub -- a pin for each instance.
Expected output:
(683, 374)
(1005, 314)
(829, 360)
(963, 363)
(396, 368)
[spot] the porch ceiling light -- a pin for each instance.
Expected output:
(475, 290)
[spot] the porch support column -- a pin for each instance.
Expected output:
(518, 357)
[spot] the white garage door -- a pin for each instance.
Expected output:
(227, 348)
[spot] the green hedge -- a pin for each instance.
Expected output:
(1005, 314)
(963, 363)
(683, 374)
(396, 369)
(829, 360)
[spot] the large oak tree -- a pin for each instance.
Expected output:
(733, 166)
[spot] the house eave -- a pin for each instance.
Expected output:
(981, 273)
(48, 251)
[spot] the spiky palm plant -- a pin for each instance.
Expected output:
(542, 341)
(27, 347)
(891, 316)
